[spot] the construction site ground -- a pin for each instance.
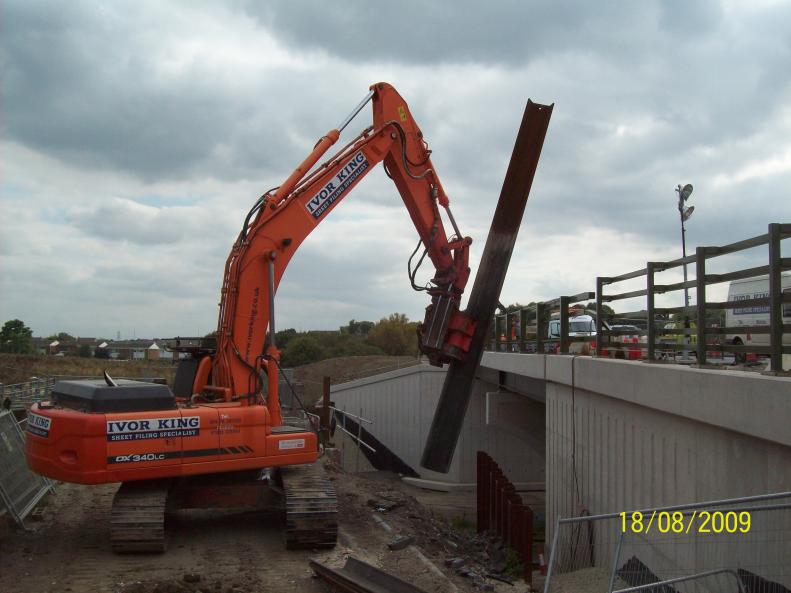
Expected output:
(66, 546)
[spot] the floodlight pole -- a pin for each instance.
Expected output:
(684, 213)
(683, 243)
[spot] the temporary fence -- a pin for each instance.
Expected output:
(20, 396)
(500, 509)
(160, 380)
(20, 488)
(738, 544)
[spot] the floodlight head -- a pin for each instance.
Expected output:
(687, 214)
(686, 191)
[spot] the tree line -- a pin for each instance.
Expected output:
(394, 335)
(16, 337)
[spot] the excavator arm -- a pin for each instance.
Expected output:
(247, 357)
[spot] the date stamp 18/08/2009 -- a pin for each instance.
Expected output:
(678, 522)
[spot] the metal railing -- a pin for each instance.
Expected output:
(651, 548)
(706, 574)
(695, 324)
(359, 420)
(525, 330)
(530, 333)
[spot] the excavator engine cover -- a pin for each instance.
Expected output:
(95, 396)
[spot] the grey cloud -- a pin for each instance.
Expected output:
(124, 220)
(508, 31)
(184, 278)
(80, 83)
(342, 290)
(84, 83)
(689, 19)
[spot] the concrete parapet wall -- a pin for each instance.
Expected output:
(646, 435)
(744, 402)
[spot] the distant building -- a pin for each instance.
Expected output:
(137, 349)
(55, 347)
(42, 345)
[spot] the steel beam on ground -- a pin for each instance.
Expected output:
(357, 576)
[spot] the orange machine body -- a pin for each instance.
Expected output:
(91, 448)
(228, 416)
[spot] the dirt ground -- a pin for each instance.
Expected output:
(345, 368)
(17, 368)
(67, 549)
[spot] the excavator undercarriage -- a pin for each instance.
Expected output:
(302, 495)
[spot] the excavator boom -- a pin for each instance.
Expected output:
(283, 218)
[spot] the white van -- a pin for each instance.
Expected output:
(580, 326)
(754, 288)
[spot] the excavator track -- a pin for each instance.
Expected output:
(311, 507)
(137, 520)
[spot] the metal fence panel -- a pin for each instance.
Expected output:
(741, 545)
(22, 395)
(20, 488)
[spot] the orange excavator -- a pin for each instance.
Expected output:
(219, 439)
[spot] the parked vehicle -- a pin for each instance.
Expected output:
(580, 326)
(754, 315)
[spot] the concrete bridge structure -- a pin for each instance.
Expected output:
(604, 435)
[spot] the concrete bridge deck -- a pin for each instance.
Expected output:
(644, 434)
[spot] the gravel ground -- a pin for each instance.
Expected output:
(67, 548)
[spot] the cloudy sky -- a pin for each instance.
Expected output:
(136, 135)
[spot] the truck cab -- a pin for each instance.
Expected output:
(579, 326)
(754, 315)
